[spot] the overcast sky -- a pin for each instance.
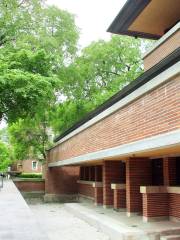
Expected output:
(93, 17)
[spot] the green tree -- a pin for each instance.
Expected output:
(102, 69)
(30, 138)
(32, 24)
(36, 40)
(5, 158)
(25, 82)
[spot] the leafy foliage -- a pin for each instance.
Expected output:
(25, 82)
(30, 175)
(44, 83)
(30, 138)
(5, 158)
(35, 41)
(100, 71)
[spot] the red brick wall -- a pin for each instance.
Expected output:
(155, 205)
(155, 113)
(138, 173)
(62, 180)
(30, 186)
(162, 51)
(169, 170)
(86, 190)
(26, 166)
(111, 174)
(119, 198)
(174, 205)
(98, 194)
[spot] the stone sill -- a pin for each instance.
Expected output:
(92, 183)
(160, 189)
(97, 184)
(118, 186)
(27, 180)
(85, 182)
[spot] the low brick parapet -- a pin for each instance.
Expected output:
(30, 184)
(160, 202)
(98, 193)
(119, 196)
(85, 189)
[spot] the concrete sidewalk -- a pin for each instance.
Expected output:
(118, 226)
(17, 222)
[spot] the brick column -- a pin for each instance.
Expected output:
(155, 203)
(169, 171)
(60, 183)
(98, 193)
(120, 198)
(138, 173)
(111, 174)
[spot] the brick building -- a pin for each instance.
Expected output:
(126, 153)
(27, 166)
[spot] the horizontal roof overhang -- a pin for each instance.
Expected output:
(146, 18)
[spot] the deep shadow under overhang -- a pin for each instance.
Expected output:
(146, 18)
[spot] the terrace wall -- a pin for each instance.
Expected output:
(156, 112)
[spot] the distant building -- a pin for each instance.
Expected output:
(27, 166)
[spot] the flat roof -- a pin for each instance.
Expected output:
(146, 18)
(131, 87)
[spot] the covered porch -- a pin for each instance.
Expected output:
(145, 184)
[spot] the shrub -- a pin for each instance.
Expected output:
(30, 175)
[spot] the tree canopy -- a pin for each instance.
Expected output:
(46, 82)
(102, 69)
(36, 40)
(5, 158)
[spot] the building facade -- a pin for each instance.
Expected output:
(126, 153)
(27, 166)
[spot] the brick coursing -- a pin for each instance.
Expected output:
(86, 190)
(98, 194)
(112, 172)
(155, 113)
(155, 205)
(138, 173)
(162, 51)
(30, 186)
(61, 180)
(119, 198)
(169, 170)
(174, 205)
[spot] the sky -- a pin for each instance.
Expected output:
(93, 17)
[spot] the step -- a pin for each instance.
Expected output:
(171, 237)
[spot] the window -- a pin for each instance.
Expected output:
(157, 172)
(34, 165)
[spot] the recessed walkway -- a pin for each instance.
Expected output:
(17, 222)
(120, 227)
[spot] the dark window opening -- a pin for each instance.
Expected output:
(157, 172)
(178, 171)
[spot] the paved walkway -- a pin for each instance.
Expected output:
(63, 225)
(120, 227)
(17, 222)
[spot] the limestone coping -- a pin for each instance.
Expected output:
(97, 184)
(28, 180)
(160, 189)
(85, 182)
(118, 186)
